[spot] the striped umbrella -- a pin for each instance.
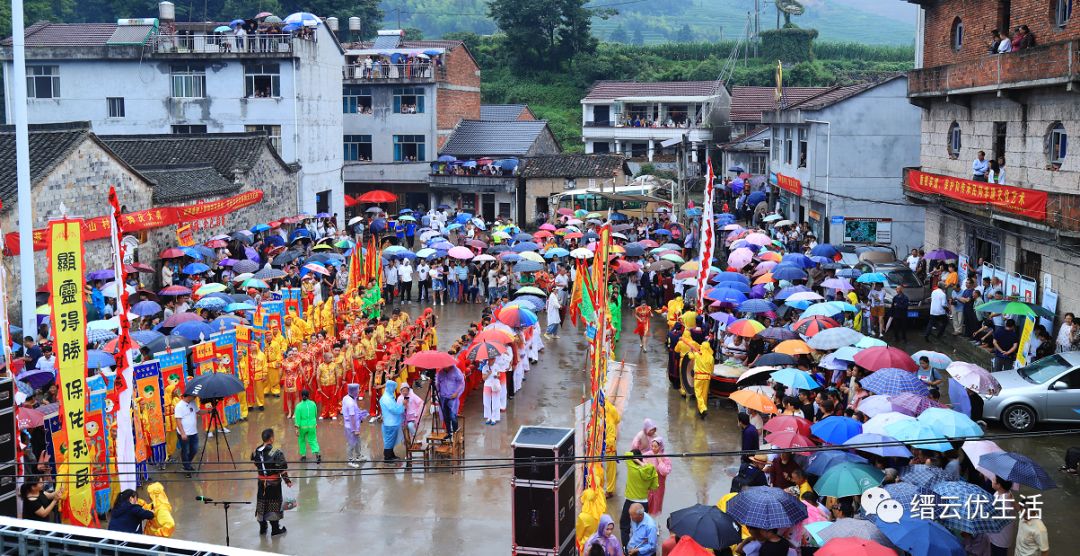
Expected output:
(884, 449)
(766, 507)
(834, 338)
(516, 316)
(974, 378)
(911, 404)
(810, 326)
(484, 350)
(893, 382)
(967, 508)
(1018, 468)
(747, 328)
(924, 476)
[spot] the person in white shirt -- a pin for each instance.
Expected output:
(186, 413)
(47, 361)
(423, 282)
(391, 276)
(939, 311)
(405, 275)
(913, 260)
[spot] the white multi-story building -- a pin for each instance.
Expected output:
(152, 76)
(635, 118)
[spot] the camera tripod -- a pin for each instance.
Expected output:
(215, 424)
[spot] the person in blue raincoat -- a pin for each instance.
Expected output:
(393, 414)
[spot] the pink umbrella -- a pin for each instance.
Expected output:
(180, 318)
(461, 252)
(648, 243)
(882, 357)
(976, 449)
(758, 238)
(574, 221)
(732, 228)
(974, 377)
(740, 257)
(547, 226)
(763, 267)
(565, 211)
(837, 284)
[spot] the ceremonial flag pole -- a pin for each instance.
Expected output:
(707, 236)
(125, 437)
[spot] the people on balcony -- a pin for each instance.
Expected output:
(1022, 38)
(999, 44)
(980, 167)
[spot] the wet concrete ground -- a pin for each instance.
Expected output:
(381, 510)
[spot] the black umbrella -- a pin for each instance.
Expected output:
(286, 257)
(213, 386)
(166, 342)
(775, 359)
(707, 525)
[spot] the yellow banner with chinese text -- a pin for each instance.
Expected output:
(66, 272)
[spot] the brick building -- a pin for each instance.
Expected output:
(73, 167)
(1021, 106)
(401, 101)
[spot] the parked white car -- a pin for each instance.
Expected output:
(1046, 391)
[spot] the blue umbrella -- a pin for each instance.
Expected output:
(731, 277)
(766, 507)
(886, 451)
(836, 429)
(795, 378)
(96, 359)
(848, 273)
(225, 322)
(146, 336)
(848, 479)
(919, 435)
(1017, 468)
(890, 382)
(510, 257)
(233, 307)
(756, 197)
(303, 233)
(99, 335)
(531, 302)
(528, 266)
(191, 252)
(463, 217)
(634, 250)
(924, 476)
(798, 260)
(693, 212)
(525, 246)
(555, 252)
(195, 268)
(304, 19)
(146, 308)
(236, 22)
(661, 232)
(921, 537)
(906, 493)
(737, 286)
(969, 508)
(824, 250)
(824, 310)
(426, 252)
(522, 236)
(822, 461)
(620, 217)
(872, 278)
(950, 423)
(725, 295)
(211, 303)
(260, 228)
(756, 305)
(789, 273)
(447, 158)
(832, 338)
(786, 292)
(193, 330)
(846, 353)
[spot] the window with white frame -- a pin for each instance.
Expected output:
(356, 99)
(788, 146)
(775, 142)
(1059, 144)
(802, 147)
(1062, 12)
(262, 80)
(409, 148)
(188, 81)
(116, 106)
(358, 148)
(757, 165)
(43, 81)
(408, 100)
(953, 138)
(271, 131)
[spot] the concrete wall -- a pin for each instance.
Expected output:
(1028, 120)
(382, 124)
(856, 171)
(318, 129)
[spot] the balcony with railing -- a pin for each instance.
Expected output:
(1062, 210)
(221, 45)
(1039, 66)
(393, 73)
(478, 183)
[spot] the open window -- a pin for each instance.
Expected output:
(262, 80)
(409, 148)
(356, 99)
(408, 100)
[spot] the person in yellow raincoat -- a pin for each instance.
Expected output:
(163, 524)
(689, 319)
(275, 354)
(260, 373)
(611, 436)
(704, 361)
(674, 309)
(685, 346)
(853, 299)
(327, 317)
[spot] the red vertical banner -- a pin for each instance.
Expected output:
(73, 457)
(707, 238)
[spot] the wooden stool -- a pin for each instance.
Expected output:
(414, 446)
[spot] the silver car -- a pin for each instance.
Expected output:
(1046, 391)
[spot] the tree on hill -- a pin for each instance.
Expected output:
(413, 34)
(639, 38)
(619, 35)
(544, 33)
(685, 34)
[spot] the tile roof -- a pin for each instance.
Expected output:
(50, 144)
(176, 184)
(228, 153)
(574, 166)
(747, 103)
(67, 34)
(501, 112)
(480, 138)
(607, 90)
(838, 93)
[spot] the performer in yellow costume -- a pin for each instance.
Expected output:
(275, 353)
(260, 373)
(704, 361)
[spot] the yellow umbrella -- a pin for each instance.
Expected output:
(792, 347)
(690, 265)
(43, 310)
(532, 256)
(212, 287)
(764, 279)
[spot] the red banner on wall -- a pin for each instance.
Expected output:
(99, 227)
(789, 184)
(1017, 200)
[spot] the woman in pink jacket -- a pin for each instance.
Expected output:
(655, 457)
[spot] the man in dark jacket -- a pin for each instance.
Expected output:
(127, 515)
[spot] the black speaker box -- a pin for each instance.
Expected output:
(544, 517)
(543, 453)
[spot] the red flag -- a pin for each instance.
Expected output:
(123, 342)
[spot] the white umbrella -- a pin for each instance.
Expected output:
(877, 423)
(756, 371)
(355, 219)
(581, 253)
(243, 276)
(107, 324)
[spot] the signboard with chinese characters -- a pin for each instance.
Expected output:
(789, 184)
(868, 230)
(66, 272)
(1017, 200)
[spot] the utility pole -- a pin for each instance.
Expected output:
(22, 170)
(757, 25)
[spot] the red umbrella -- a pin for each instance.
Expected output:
(172, 253)
(881, 357)
(788, 423)
(431, 359)
(812, 325)
(497, 335)
(180, 318)
(482, 351)
(377, 196)
(476, 243)
(110, 346)
(790, 440)
(351, 201)
(138, 267)
(852, 546)
(217, 243)
(27, 418)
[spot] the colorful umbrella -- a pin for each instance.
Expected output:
(516, 317)
(746, 328)
(974, 378)
(910, 404)
(1019, 308)
(482, 351)
(810, 326)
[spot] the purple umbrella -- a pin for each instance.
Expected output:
(37, 379)
(105, 274)
(179, 318)
(227, 262)
(252, 255)
(941, 255)
(778, 334)
(912, 404)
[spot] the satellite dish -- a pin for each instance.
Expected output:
(790, 7)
